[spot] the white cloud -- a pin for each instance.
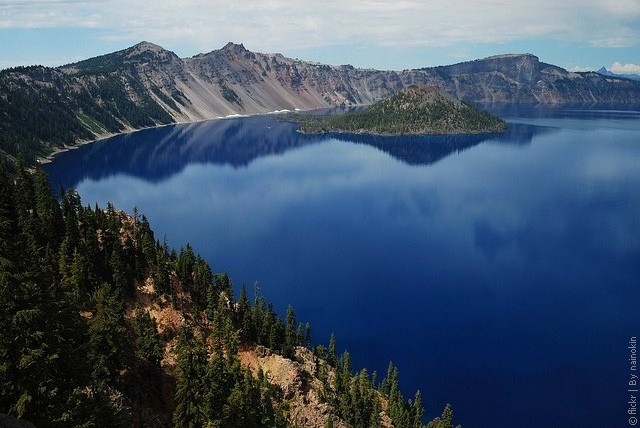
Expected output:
(580, 68)
(618, 68)
(277, 24)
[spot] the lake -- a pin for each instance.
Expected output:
(499, 273)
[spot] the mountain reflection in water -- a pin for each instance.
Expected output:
(157, 154)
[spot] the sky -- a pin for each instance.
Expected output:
(578, 35)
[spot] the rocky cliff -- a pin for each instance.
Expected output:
(234, 80)
(524, 79)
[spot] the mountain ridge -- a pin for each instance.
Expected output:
(43, 108)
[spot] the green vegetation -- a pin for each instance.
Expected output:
(42, 109)
(415, 110)
(78, 348)
(113, 62)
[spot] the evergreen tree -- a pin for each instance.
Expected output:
(107, 336)
(291, 337)
(148, 344)
(191, 388)
(184, 267)
(244, 318)
(307, 335)
(202, 283)
(332, 357)
(160, 273)
(417, 411)
(444, 421)
(223, 283)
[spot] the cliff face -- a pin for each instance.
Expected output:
(234, 80)
(524, 79)
(147, 85)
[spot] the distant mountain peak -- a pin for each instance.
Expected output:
(230, 49)
(234, 46)
(140, 53)
(147, 46)
(605, 72)
(513, 56)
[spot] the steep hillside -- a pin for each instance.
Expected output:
(414, 110)
(43, 108)
(103, 326)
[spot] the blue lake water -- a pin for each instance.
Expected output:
(499, 273)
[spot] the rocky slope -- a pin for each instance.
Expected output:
(234, 80)
(42, 108)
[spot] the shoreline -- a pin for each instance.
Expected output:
(57, 150)
(380, 134)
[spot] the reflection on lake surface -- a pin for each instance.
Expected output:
(499, 273)
(157, 154)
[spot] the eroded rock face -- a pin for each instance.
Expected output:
(297, 384)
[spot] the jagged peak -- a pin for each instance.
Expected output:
(230, 48)
(234, 46)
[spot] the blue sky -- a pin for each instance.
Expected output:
(574, 34)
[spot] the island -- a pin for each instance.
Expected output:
(415, 110)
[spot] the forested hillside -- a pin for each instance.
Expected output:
(414, 110)
(41, 109)
(102, 325)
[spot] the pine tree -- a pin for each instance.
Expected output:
(307, 335)
(444, 421)
(160, 273)
(244, 318)
(202, 283)
(417, 411)
(223, 283)
(107, 336)
(191, 389)
(332, 358)
(148, 344)
(184, 267)
(291, 337)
